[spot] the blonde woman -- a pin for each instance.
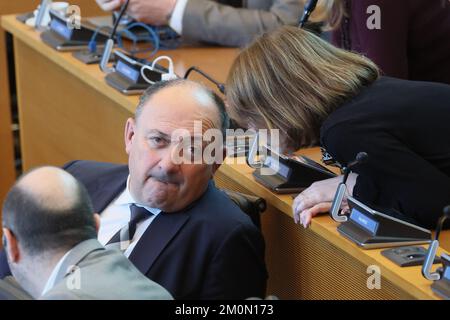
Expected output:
(408, 39)
(317, 94)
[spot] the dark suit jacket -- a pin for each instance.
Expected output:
(210, 250)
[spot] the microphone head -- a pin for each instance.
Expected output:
(307, 10)
(447, 211)
(311, 5)
(362, 157)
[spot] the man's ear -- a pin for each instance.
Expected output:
(12, 246)
(215, 167)
(217, 164)
(97, 221)
(130, 129)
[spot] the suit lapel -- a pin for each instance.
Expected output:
(107, 189)
(155, 239)
(160, 232)
(77, 254)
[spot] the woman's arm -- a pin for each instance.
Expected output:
(394, 176)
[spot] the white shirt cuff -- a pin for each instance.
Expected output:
(176, 20)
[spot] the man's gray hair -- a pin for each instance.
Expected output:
(158, 86)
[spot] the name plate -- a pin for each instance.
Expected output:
(127, 71)
(447, 273)
(61, 29)
(277, 166)
(364, 221)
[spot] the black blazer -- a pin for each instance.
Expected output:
(404, 126)
(210, 250)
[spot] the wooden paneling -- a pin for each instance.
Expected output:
(61, 124)
(7, 167)
(7, 170)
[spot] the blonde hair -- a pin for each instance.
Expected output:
(292, 80)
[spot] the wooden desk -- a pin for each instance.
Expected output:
(7, 167)
(66, 109)
(318, 263)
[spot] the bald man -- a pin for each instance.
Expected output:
(50, 235)
(187, 235)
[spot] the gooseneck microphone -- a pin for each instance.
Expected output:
(220, 86)
(308, 9)
(447, 211)
(110, 42)
(432, 250)
(335, 212)
(361, 157)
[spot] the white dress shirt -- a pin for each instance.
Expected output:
(117, 215)
(176, 19)
(51, 280)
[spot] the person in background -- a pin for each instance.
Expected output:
(50, 232)
(317, 94)
(224, 22)
(407, 39)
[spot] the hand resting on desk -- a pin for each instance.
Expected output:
(318, 199)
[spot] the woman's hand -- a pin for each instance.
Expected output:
(318, 198)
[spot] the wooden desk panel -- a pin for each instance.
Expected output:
(59, 125)
(7, 166)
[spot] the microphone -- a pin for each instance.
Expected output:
(361, 157)
(432, 250)
(220, 86)
(308, 9)
(447, 211)
(110, 42)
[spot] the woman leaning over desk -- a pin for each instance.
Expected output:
(317, 94)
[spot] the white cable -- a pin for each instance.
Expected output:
(170, 75)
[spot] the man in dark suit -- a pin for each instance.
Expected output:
(192, 240)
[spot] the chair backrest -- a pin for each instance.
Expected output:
(251, 205)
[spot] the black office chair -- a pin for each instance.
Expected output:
(251, 205)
